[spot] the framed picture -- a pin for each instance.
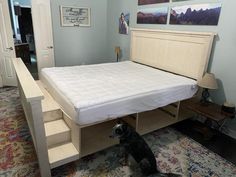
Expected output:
(197, 14)
(146, 2)
(124, 23)
(75, 16)
(152, 15)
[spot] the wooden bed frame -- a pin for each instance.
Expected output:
(59, 140)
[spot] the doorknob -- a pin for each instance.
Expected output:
(10, 48)
(50, 47)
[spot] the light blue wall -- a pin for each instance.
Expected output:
(80, 45)
(223, 59)
(23, 2)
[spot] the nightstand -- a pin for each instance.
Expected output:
(211, 111)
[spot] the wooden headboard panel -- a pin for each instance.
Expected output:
(183, 53)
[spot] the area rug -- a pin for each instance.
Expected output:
(174, 151)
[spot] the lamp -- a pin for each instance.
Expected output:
(117, 51)
(208, 82)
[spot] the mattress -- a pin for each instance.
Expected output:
(96, 93)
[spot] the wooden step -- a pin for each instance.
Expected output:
(51, 109)
(52, 115)
(57, 132)
(62, 154)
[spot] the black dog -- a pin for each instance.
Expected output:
(135, 145)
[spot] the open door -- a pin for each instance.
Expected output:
(42, 24)
(7, 50)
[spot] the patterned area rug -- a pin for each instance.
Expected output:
(174, 152)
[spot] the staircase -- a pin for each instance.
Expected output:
(58, 135)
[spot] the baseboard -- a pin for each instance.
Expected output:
(225, 129)
(231, 133)
(228, 131)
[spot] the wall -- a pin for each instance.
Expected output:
(80, 45)
(1, 85)
(23, 2)
(222, 61)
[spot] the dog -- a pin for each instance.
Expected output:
(132, 143)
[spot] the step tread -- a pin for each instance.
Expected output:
(48, 103)
(55, 127)
(62, 154)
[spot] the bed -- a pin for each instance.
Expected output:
(96, 93)
(162, 73)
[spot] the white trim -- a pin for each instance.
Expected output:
(1, 84)
(229, 131)
(232, 133)
(26, 6)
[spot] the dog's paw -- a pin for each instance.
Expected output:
(146, 167)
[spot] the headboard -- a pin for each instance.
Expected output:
(183, 53)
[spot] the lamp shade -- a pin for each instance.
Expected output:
(208, 81)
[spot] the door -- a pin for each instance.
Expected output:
(42, 24)
(7, 50)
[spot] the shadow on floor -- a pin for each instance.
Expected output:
(220, 143)
(33, 69)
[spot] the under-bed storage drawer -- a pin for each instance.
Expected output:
(153, 120)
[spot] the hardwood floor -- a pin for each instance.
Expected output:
(220, 143)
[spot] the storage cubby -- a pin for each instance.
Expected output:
(97, 137)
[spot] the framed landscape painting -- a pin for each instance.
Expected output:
(179, 0)
(152, 15)
(198, 14)
(145, 2)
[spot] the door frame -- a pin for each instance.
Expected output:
(37, 36)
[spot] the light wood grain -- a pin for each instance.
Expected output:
(51, 109)
(62, 154)
(57, 133)
(31, 96)
(153, 120)
(75, 131)
(48, 103)
(183, 53)
(97, 137)
(31, 89)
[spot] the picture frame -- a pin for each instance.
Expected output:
(157, 15)
(196, 14)
(147, 2)
(72, 16)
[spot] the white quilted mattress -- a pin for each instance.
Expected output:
(95, 93)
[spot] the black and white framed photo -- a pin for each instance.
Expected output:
(75, 16)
